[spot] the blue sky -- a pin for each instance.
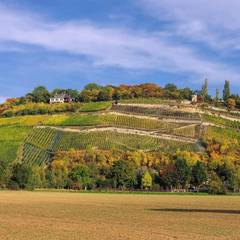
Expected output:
(59, 43)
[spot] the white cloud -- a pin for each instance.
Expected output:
(105, 46)
(2, 99)
(215, 22)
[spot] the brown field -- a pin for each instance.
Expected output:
(63, 216)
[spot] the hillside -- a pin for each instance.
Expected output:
(153, 135)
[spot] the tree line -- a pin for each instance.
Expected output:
(94, 169)
(93, 92)
(228, 99)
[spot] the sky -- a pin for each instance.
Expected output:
(67, 44)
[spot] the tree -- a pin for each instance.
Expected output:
(37, 178)
(226, 172)
(105, 94)
(4, 172)
(183, 172)
(215, 185)
(217, 95)
(72, 92)
(146, 180)
(80, 176)
(237, 180)
(20, 176)
(123, 174)
(40, 94)
(231, 103)
(59, 173)
(168, 176)
(89, 95)
(226, 90)
(92, 86)
(171, 87)
(199, 174)
(186, 93)
(204, 91)
(171, 91)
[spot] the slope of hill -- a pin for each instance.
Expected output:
(160, 132)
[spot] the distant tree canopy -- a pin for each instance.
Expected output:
(226, 90)
(204, 91)
(94, 92)
(39, 94)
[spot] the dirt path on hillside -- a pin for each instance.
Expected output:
(125, 131)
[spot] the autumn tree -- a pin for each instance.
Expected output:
(146, 180)
(231, 103)
(59, 174)
(105, 94)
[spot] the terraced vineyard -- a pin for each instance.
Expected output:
(192, 131)
(32, 155)
(126, 128)
(156, 112)
(38, 146)
(137, 123)
(108, 140)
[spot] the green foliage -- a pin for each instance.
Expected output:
(216, 185)
(183, 172)
(199, 174)
(37, 178)
(204, 91)
(92, 86)
(226, 172)
(80, 176)
(123, 174)
(226, 91)
(4, 173)
(217, 98)
(41, 108)
(73, 93)
(40, 94)
(21, 175)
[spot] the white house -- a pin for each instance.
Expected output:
(61, 98)
(194, 98)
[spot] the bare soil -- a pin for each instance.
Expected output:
(74, 216)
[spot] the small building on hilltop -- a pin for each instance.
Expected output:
(197, 98)
(194, 98)
(61, 98)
